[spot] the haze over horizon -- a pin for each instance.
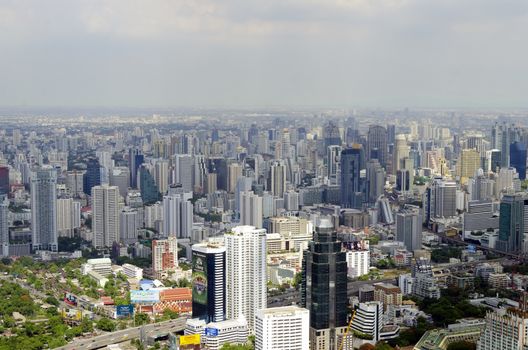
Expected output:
(236, 53)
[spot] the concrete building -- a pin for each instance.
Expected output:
(250, 209)
(164, 256)
(132, 271)
(105, 213)
(246, 275)
(387, 294)
(409, 228)
(44, 209)
(285, 328)
(215, 334)
(177, 215)
(358, 259)
(68, 216)
(369, 319)
(505, 329)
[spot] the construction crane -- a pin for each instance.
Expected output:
(347, 330)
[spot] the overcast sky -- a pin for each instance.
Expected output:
(367, 53)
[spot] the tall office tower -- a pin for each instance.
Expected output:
(4, 226)
(212, 181)
(251, 209)
(285, 328)
(183, 171)
(492, 162)
(278, 179)
(377, 144)
(164, 256)
(375, 180)
(75, 182)
(369, 319)
(403, 180)
(4, 180)
(331, 135)
(391, 133)
(285, 144)
(440, 199)
(505, 329)
(105, 159)
(135, 159)
(234, 172)
(513, 224)
(409, 228)
(333, 156)
(120, 177)
(352, 185)
(468, 164)
(161, 175)
(68, 216)
(401, 151)
(246, 272)
(147, 185)
(518, 158)
(177, 215)
(17, 137)
(219, 166)
(105, 215)
(92, 176)
(324, 287)
(208, 282)
(243, 185)
(43, 208)
(199, 174)
(128, 225)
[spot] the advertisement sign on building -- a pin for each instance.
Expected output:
(144, 296)
(199, 279)
(70, 299)
(211, 332)
(124, 310)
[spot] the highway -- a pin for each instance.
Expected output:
(101, 341)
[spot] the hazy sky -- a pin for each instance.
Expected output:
(370, 53)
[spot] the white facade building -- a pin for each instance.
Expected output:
(105, 211)
(285, 328)
(358, 263)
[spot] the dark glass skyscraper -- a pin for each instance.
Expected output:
(518, 158)
(512, 223)
(352, 186)
(4, 180)
(135, 159)
(147, 186)
(377, 144)
(324, 287)
(92, 177)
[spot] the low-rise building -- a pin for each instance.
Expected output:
(285, 328)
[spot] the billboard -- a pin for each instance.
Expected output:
(71, 299)
(191, 339)
(144, 296)
(124, 310)
(199, 278)
(211, 332)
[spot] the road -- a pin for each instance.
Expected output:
(101, 341)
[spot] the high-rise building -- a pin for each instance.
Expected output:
(251, 209)
(92, 176)
(352, 185)
(369, 319)
(513, 223)
(164, 256)
(502, 135)
(358, 259)
(333, 155)
(468, 164)
(4, 180)
(43, 209)
(105, 214)
(278, 179)
(285, 328)
(147, 185)
(332, 136)
(209, 282)
(409, 228)
(401, 151)
(234, 172)
(246, 275)
(243, 185)
(75, 182)
(177, 215)
(324, 288)
(135, 159)
(440, 199)
(120, 177)
(377, 144)
(68, 216)
(387, 294)
(518, 158)
(128, 225)
(375, 180)
(504, 329)
(4, 226)
(161, 175)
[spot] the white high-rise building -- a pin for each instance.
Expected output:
(246, 272)
(128, 225)
(183, 169)
(43, 209)
(4, 226)
(164, 256)
(120, 177)
(177, 215)
(358, 262)
(234, 172)
(250, 209)
(68, 216)
(161, 175)
(505, 329)
(285, 328)
(105, 214)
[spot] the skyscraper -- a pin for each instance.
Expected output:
(375, 180)
(209, 282)
(377, 144)
(43, 209)
(183, 171)
(164, 256)
(105, 215)
(278, 179)
(352, 185)
(135, 159)
(324, 287)
(333, 155)
(246, 272)
(4, 226)
(120, 177)
(4, 180)
(332, 136)
(177, 215)
(468, 164)
(440, 199)
(518, 158)
(147, 185)
(409, 228)
(513, 223)
(68, 216)
(251, 209)
(234, 172)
